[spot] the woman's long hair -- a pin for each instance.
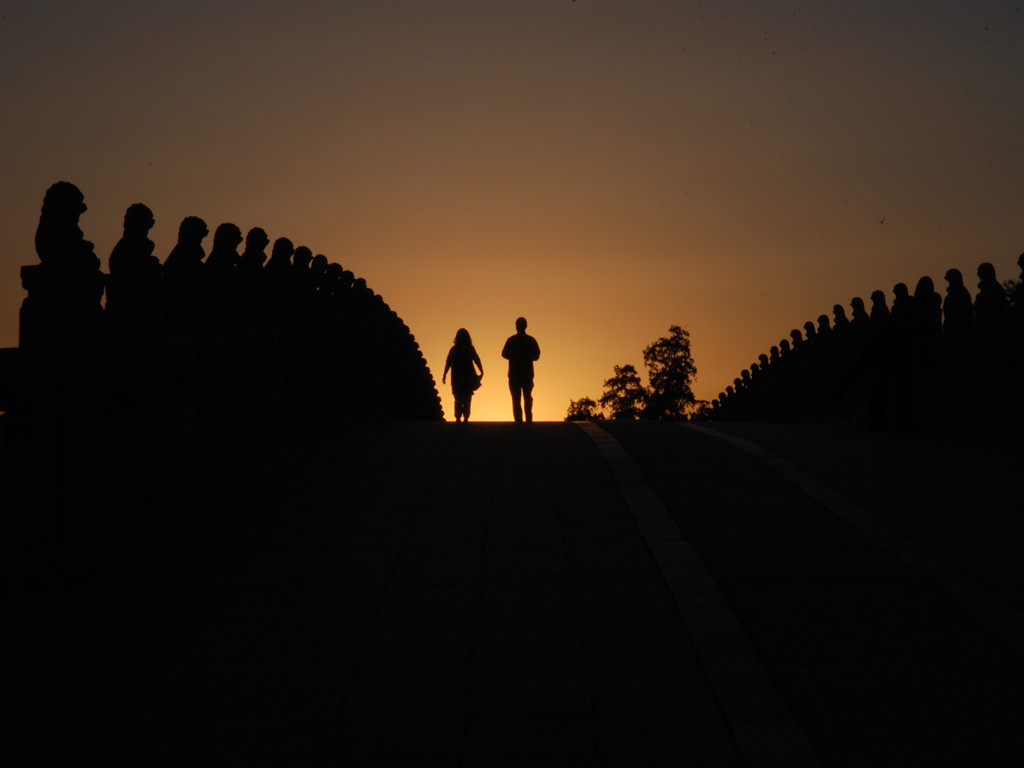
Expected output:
(462, 338)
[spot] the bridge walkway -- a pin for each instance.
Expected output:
(554, 594)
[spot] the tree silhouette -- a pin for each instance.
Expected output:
(624, 394)
(671, 371)
(584, 409)
(669, 396)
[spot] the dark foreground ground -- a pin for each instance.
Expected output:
(546, 594)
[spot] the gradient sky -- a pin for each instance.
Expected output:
(604, 168)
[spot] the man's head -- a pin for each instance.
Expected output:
(520, 324)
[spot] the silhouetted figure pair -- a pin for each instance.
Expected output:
(521, 351)
(463, 361)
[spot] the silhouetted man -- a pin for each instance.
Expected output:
(521, 351)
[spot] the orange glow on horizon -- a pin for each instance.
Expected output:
(604, 169)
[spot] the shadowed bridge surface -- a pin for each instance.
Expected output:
(481, 594)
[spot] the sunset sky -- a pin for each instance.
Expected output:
(605, 168)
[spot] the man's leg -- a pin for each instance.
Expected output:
(528, 400)
(517, 409)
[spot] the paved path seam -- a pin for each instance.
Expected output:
(761, 722)
(1001, 617)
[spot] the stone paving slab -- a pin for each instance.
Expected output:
(501, 594)
(872, 652)
(465, 594)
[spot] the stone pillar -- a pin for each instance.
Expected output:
(60, 336)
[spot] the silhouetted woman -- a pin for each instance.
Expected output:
(461, 359)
